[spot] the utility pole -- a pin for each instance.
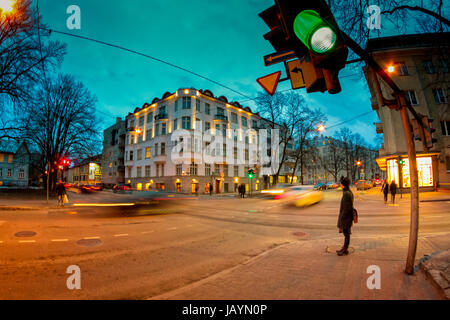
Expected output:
(48, 178)
(401, 105)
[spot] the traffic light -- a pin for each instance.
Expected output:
(400, 161)
(251, 174)
(309, 29)
(428, 132)
(417, 130)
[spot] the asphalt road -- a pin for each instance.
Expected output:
(147, 250)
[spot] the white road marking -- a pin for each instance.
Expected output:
(60, 240)
(174, 228)
(145, 232)
(121, 235)
(189, 225)
(90, 238)
(27, 241)
(2, 222)
(1, 241)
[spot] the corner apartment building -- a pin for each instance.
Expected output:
(113, 154)
(190, 139)
(421, 68)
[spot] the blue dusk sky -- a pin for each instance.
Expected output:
(222, 40)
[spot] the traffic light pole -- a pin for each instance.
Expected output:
(401, 105)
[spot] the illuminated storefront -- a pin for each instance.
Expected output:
(401, 174)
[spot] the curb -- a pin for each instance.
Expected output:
(437, 268)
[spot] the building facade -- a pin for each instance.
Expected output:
(15, 165)
(113, 154)
(190, 140)
(419, 65)
(87, 172)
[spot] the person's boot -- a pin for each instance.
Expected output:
(340, 250)
(343, 252)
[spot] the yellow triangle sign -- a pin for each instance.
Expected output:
(270, 82)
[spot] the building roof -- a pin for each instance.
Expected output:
(409, 41)
(10, 146)
(201, 91)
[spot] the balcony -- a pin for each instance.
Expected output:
(131, 129)
(221, 117)
(162, 116)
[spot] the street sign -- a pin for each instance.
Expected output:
(296, 74)
(270, 82)
(278, 57)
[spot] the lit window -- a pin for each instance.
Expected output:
(148, 153)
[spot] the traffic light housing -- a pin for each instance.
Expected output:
(428, 132)
(400, 161)
(251, 174)
(310, 30)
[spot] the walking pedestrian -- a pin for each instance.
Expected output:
(61, 192)
(345, 219)
(243, 190)
(393, 189)
(210, 189)
(385, 190)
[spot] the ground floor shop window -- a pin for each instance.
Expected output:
(424, 169)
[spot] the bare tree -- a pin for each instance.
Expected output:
(304, 131)
(60, 120)
(283, 112)
(334, 161)
(22, 59)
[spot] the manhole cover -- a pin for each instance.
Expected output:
(332, 249)
(25, 234)
(89, 242)
(299, 234)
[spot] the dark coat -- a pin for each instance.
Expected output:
(60, 189)
(393, 188)
(385, 188)
(345, 220)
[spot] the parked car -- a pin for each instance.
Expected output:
(332, 185)
(377, 182)
(124, 187)
(320, 186)
(363, 185)
(100, 186)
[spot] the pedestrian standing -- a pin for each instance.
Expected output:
(243, 190)
(61, 192)
(210, 189)
(393, 189)
(345, 219)
(385, 190)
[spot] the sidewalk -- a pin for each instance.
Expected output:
(312, 270)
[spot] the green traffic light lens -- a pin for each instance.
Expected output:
(315, 33)
(323, 40)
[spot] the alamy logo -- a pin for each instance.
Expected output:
(74, 20)
(374, 20)
(374, 281)
(74, 280)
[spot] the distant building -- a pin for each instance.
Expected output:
(421, 68)
(16, 165)
(113, 154)
(328, 165)
(86, 172)
(180, 121)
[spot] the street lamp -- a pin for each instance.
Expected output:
(391, 69)
(6, 6)
(321, 128)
